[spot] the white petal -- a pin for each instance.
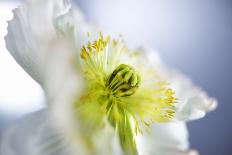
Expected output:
(165, 139)
(31, 31)
(38, 134)
(33, 135)
(193, 103)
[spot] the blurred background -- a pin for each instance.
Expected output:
(193, 36)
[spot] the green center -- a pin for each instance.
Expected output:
(124, 81)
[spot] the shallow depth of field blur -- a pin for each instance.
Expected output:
(193, 36)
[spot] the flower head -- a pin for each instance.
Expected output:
(122, 90)
(112, 89)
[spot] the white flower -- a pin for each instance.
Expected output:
(97, 103)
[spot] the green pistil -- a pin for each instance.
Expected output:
(124, 81)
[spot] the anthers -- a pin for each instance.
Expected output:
(95, 47)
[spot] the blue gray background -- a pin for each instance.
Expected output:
(193, 36)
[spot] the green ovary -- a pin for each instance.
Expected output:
(124, 81)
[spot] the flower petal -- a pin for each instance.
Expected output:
(165, 139)
(41, 136)
(38, 136)
(193, 103)
(31, 31)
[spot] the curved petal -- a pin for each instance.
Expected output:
(26, 35)
(31, 31)
(193, 103)
(41, 136)
(165, 139)
(38, 136)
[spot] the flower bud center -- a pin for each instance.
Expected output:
(124, 81)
